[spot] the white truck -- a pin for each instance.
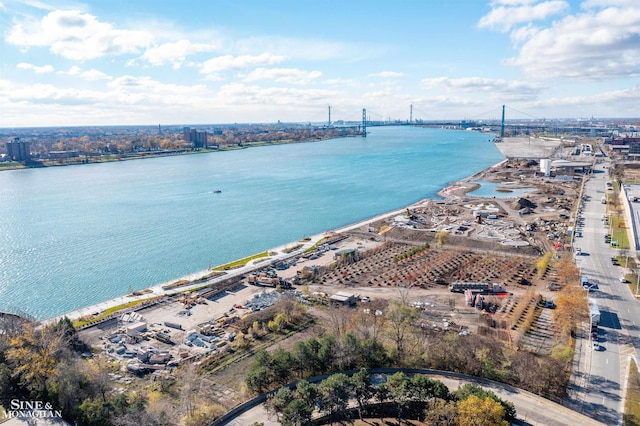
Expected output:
(594, 311)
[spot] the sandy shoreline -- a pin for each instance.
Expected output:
(453, 191)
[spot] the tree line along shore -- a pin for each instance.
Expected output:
(58, 148)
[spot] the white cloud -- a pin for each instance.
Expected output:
(241, 94)
(150, 101)
(49, 94)
(94, 75)
(607, 3)
(130, 82)
(341, 82)
(592, 45)
(25, 104)
(504, 18)
(483, 85)
(387, 74)
(38, 4)
(74, 70)
(145, 90)
(522, 34)
(38, 70)
(76, 35)
(306, 49)
(230, 62)
(175, 53)
(286, 75)
(89, 75)
(511, 2)
(615, 103)
(127, 90)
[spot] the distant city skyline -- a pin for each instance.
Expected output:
(143, 62)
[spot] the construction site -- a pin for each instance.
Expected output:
(468, 263)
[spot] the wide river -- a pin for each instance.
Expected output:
(75, 236)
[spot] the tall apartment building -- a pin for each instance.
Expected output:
(198, 139)
(18, 150)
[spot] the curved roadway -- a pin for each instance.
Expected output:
(530, 408)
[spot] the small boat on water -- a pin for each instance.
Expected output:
(217, 191)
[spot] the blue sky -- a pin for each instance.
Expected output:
(250, 61)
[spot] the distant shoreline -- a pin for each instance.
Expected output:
(111, 158)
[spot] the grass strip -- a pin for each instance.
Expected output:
(240, 262)
(110, 311)
(631, 416)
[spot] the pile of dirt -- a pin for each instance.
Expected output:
(523, 203)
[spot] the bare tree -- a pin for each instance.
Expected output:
(339, 318)
(367, 322)
(404, 292)
(98, 371)
(189, 386)
(400, 319)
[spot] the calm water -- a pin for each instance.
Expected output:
(75, 236)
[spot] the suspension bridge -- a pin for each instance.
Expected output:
(528, 125)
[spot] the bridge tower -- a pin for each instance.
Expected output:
(411, 114)
(329, 122)
(502, 127)
(364, 122)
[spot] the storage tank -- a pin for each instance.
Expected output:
(545, 166)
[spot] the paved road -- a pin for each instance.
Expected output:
(602, 385)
